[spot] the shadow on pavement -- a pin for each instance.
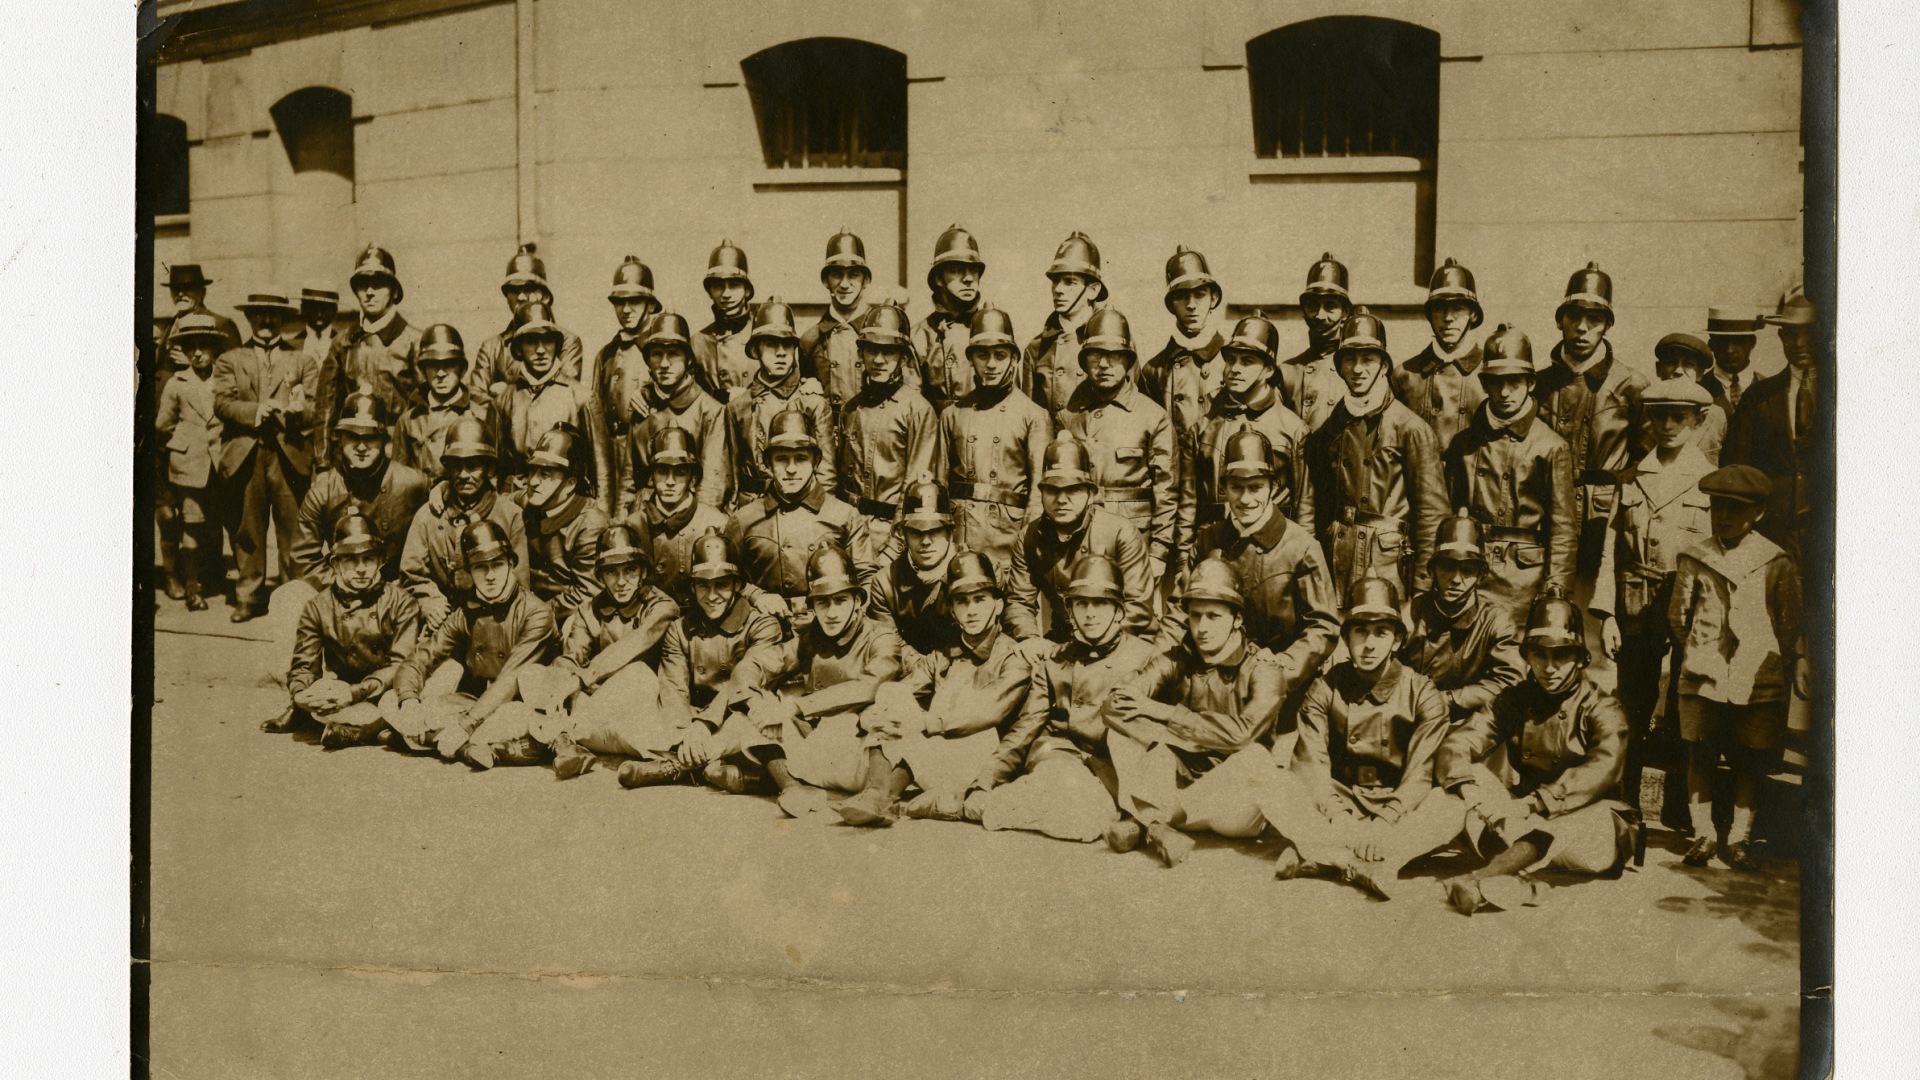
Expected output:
(1763, 1039)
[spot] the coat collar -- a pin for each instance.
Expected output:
(813, 497)
(831, 321)
(1663, 482)
(1432, 358)
(441, 502)
(670, 522)
(723, 326)
(993, 643)
(1517, 428)
(1354, 688)
(783, 389)
(387, 329)
(1264, 397)
(1753, 553)
(682, 399)
(552, 521)
(1204, 347)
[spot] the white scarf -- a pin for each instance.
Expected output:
(378, 324)
(1376, 397)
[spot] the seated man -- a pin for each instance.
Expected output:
(363, 480)
(351, 639)
(909, 591)
(775, 533)
(1069, 785)
(941, 723)
(562, 523)
(1465, 645)
(1071, 528)
(1196, 762)
(609, 653)
(1359, 800)
(672, 514)
(431, 564)
(494, 635)
(1538, 768)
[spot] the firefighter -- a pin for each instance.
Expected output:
(888, 436)
(776, 533)
(1183, 377)
(378, 349)
(621, 365)
(673, 514)
(1310, 383)
(364, 480)
(562, 523)
(721, 349)
(940, 340)
(829, 350)
(777, 387)
(1440, 384)
(676, 397)
(496, 363)
(1069, 529)
(442, 399)
(431, 565)
(1465, 645)
(1051, 367)
(993, 439)
(908, 592)
(1246, 401)
(541, 396)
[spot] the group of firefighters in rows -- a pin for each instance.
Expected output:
(1054, 589)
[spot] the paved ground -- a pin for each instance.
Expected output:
(367, 913)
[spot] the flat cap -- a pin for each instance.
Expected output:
(1685, 343)
(1742, 483)
(1676, 392)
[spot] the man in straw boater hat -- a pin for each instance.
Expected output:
(1440, 384)
(442, 399)
(431, 565)
(993, 439)
(829, 350)
(1375, 469)
(776, 533)
(1129, 440)
(1310, 382)
(1539, 771)
(1678, 356)
(1050, 368)
(675, 397)
(563, 525)
(352, 637)
(1246, 401)
(777, 386)
(541, 396)
(1358, 801)
(888, 433)
(940, 340)
(1184, 376)
(620, 368)
(721, 348)
(1777, 428)
(263, 392)
(192, 513)
(1069, 528)
(1514, 475)
(941, 725)
(496, 362)
(378, 349)
(1468, 647)
(1192, 735)
(1731, 333)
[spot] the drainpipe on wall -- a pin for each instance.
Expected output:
(523, 131)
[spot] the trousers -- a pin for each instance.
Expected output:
(1326, 833)
(1066, 793)
(267, 486)
(1157, 788)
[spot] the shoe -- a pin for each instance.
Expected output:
(870, 807)
(974, 807)
(1123, 835)
(941, 806)
(1700, 852)
(335, 736)
(801, 800)
(175, 591)
(478, 754)
(570, 759)
(1172, 845)
(1507, 892)
(1290, 865)
(1742, 856)
(195, 602)
(1463, 894)
(279, 725)
(1371, 877)
(726, 776)
(241, 613)
(638, 774)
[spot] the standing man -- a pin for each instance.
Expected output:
(940, 339)
(673, 515)
(1375, 471)
(379, 350)
(1439, 384)
(1129, 439)
(443, 398)
(540, 396)
(1070, 528)
(1592, 399)
(777, 386)
(525, 283)
(1183, 377)
(829, 352)
(315, 333)
(261, 392)
(721, 348)
(776, 532)
(431, 565)
(993, 440)
(364, 481)
(1776, 428)
(563, 524)
(889, 436)
(675, 397)
(622, 365)
(1246, 401)
(1052, 360)
(1310, 383)
(188, 288)
(1515, 477)
(1731, 334)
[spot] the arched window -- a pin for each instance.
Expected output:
(1345, 86)
(829, 103)
(316, 127)
(166, 164)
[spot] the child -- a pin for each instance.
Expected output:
(187, 419)
(1467, 646)
(352, 638)
(1736, 605)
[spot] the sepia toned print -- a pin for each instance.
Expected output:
(1255, 539)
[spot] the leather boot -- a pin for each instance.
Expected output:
(936, 806)
(281, 724)
(726, 776)
(570, 759)
(1172, 845)
(478, 754)
(637, 774)
(870, 807)
(175, 590)
(1463, 894)
(1123, 835)
(1702, 850)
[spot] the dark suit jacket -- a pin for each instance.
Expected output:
(1761, 435)
(241, 381)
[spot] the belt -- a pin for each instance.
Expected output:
(1372, 521)
(1500, 534)
(875, 508)
(993, 493)
(1126, 494)
(1597, 478)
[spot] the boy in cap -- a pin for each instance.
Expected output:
(1188, 734)
(1129, 439)
(1246, 401)
(562, 524)
(940, 341)
(261, 392)
(1538, 770)
(777, 386)
(621, 365)
(1359, 801)
(1069, 528)
(540, 396)
(442, 399)
(187, 419)
(352, 638)
(1465, 645)
(1660, 513)
(673, 514)
(993, 440)
(940, 725)
(675, 397)
(887, 436)
(775, 533)
(1052, 359)
(377, 350)
(1051, 773)
(496, 363)
(1514, 475)
(498, 632)
(363, 480)
(1183, 377)
(1439, 384)
(829, 350)
(431, 565)
(1375, 470)
(1684, 356)
(1310, 383)
(721, 348)
(1736, 606)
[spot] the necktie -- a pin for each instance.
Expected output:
(1803, 408)
(1733, 390)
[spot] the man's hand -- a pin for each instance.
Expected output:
(767, 603)
(1610, 637)
(410, 720)
(1157, 570)
(1126, 703)
(696, 749)
(1370, 844)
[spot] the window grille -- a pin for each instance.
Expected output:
(1345, 86)
(832, 103)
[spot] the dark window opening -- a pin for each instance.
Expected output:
(1345, 86)
(832, 103)
(316, 127)
(166, 164)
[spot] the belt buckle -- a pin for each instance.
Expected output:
(1369, 776)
